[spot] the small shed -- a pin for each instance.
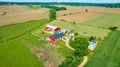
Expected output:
(52, 28)
(72, 36)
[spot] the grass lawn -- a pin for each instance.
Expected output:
(108, 54)
(104, 21)
(82, 29)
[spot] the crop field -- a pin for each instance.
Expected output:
(20, 47)
(79, 15)
(82, 29)
(19, 14)
(105, 21)
(109, 53)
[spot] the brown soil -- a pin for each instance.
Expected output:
(79, 15)
(18, 14)
(50, 58)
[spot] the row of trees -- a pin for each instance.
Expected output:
(54, 7)
(108, 5)
(52, 14)
(81, 49)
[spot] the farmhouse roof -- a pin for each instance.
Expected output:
(56, 36)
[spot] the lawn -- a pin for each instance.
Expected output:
(83, 30)
(108, 54)
(104, 21)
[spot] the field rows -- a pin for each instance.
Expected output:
(108, 54)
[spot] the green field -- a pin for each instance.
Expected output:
(108, 55)
(104, 21)
(16, 49)
(14, 53)
(84, 30)
(16, 30)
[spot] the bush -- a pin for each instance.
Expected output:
(113, 28)
(92, 38)
(86, 10)
(76, 34)
(4, 13)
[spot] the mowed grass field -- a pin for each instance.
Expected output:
(19, 47)
(14, 53)
(83, 30)
(109, 53)
(105, 21)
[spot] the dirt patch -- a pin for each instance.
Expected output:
(49, 57)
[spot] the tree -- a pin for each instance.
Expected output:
(86, 10)
(92, 38)
(80, 45)
(52, 15)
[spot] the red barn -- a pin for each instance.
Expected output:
(52, 28)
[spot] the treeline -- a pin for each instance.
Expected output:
(54, 7)
(107, 5)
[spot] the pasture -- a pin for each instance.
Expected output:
(12, 31)
(105, 21)
(83, 30)
(108, 54)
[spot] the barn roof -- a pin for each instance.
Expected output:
(51, 26)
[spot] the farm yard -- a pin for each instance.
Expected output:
(108, 54)
(26, 49)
